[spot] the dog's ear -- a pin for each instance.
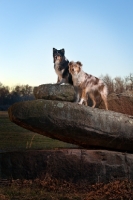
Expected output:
(62, 51)
(79, 63)
(54, 50)
(70, 63)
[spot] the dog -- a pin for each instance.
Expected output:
(87, 84)
(61, 67)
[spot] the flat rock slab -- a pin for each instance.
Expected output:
(75, 124)
(71, 164)
(54, 92)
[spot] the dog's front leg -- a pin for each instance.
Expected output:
(58, 80)
(63, 80)
(83, 97)
(77, 94)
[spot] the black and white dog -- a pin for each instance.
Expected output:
(61, 67)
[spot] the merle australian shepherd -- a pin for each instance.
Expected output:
(87, 84)
(61, 66)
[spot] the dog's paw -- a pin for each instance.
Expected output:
(65, 84)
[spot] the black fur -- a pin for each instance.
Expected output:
(62, 65)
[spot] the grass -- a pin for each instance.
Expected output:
(14, 137)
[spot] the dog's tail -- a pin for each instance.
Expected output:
(103, 88)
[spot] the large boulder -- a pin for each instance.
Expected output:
(54, 92)
(76, 124)
(69, 122)
(74, 165)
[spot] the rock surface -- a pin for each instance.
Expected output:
(122, 103)
(72, 123)
(54, 92)
(80, 125)
(72, 165)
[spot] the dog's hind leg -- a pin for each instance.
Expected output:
(93, 99)
(104, 94)
(104, 98)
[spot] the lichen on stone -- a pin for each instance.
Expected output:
(60, 105)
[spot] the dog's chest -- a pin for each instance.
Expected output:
(58, 71)
(77, 79)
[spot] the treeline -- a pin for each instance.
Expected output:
(118, 84)
(9, 96)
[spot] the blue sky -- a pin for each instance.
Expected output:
(99, 33)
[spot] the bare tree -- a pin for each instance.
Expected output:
(119, 85)
(22, 92)
(129, 82)
(109, 81)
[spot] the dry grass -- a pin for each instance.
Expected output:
(50, 189)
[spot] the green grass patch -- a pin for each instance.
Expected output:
(14, 137)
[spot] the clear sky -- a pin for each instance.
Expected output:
(99, 33)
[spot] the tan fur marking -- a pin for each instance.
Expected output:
(104, 98)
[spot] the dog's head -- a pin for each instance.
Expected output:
(75, 67)
(58, 55)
